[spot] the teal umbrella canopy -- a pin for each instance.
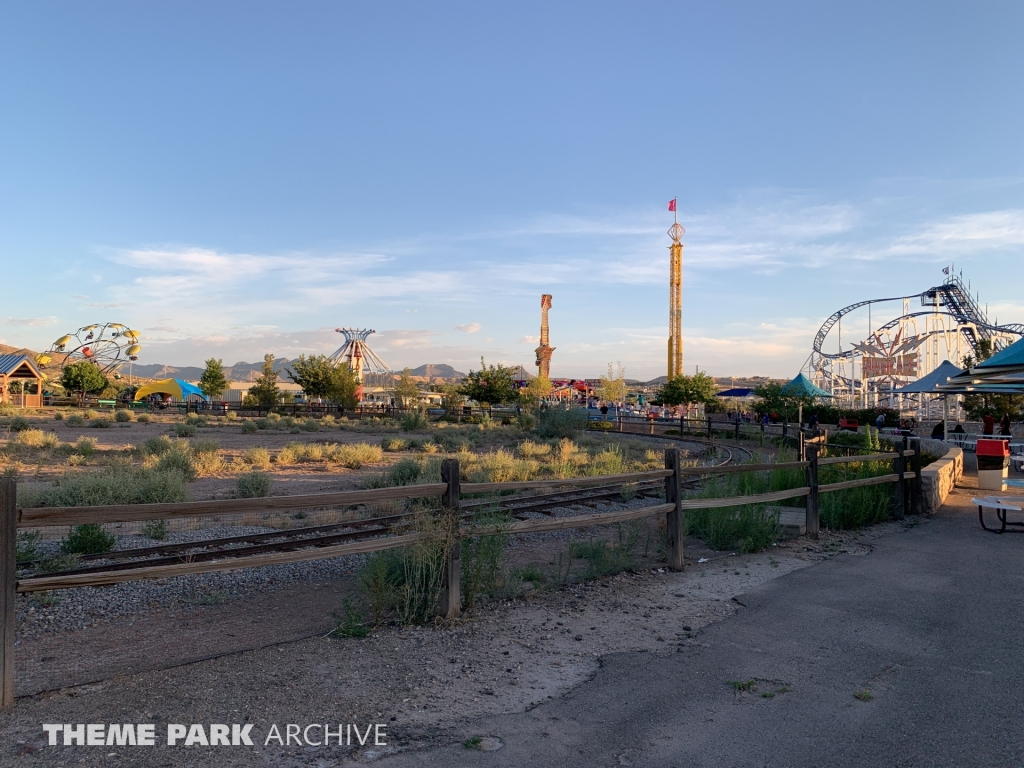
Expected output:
(801, 386)
(932, 382)
(1011, 357)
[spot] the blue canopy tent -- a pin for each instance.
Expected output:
(801, 386)
(1003, 373)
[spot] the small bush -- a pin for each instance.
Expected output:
(115, 485)
(231, 416)
(253, 485)
(36, 438)
(392, 444)
(415, 420)
(157, 446)
(184, 430)
(27, 547)
(258, 458)
(86, 446)
(179, 459)
(354, 455)
(196, 420)
(143, 418)
(88, 539)
(58, 416)
(207, 463)
(155, 529)
(311, 425)
(531, 450)
(328, 421)
(100, 423)
(286, 422)
(352, 622)
(20, 424)
(263, 423)
(249, 427)
(89, 414)
(75, 420)
(205, 446)
(525, 421)
(123, 416)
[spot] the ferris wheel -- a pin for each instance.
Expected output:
(107, 345)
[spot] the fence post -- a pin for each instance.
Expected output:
(918, 492)
(709, 427)
(674, 518)
(451, 597)
(737, 437)
(898, 496)
(8, 587)
(811, 521)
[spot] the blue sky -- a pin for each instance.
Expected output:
(240, 178)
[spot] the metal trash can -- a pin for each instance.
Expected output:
(993, 464)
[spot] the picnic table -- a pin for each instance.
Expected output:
(1001, 505)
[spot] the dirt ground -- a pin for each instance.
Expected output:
(272, 661)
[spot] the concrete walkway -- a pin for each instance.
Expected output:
(928, 630)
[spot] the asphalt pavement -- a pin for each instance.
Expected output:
(912, 655)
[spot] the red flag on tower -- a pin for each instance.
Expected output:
(672, 205)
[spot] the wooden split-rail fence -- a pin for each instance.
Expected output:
(451, 491)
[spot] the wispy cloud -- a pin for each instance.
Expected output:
(469, 328)
(31, 322)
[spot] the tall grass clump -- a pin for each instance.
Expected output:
(257, 458)
(179, 459)
(36, 438)
(185, 430)
(143, 418)
(249, 427)
(392, 444)
(76, 420)
(502, 467)
(405, 584)
(123, 416)
(206, 457)
(86, 446)
(482, 557)
(88, 539)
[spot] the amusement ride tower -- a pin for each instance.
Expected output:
(358, 355)
(675, 296)
(545, 349)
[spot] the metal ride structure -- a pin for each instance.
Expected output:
(950, 325)
(545, 349)
(364, 362)
(675, 296)
(108, 346)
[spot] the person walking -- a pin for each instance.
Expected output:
(880, 422)
(1004, 425)
(988, 425)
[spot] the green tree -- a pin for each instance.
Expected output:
(688, 390)
(265, 389)
(314, 374)
(773, 399)
(82, 377)
(612, 388)
(406, 392)
(491, 385)
(536, 390)
(213, 382)
(343, 388)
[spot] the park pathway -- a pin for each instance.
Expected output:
(927, 630)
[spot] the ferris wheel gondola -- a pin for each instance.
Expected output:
(108, 346)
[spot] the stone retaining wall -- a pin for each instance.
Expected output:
(939, 477)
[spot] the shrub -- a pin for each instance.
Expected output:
(157, 446)
(184, 430)
(561, 422)
(415, 420)
(58, 416)
(258, 458)
(143, 418)
(525, 421)
(354, 455)
(75, 420)
(205, 446)
(531, 450)
(196, 420)
(286, 422)
(502, 467)
(352, 622)
(179, 459)
(207, 463)
(88, 539)
(100, 423)
(123, 416)
(328, 421)
(311, 425)
(36, 438)
(392, 444)
(263, 423)
(20, 424)
(451, 442)
(482, 558)
(27, 546)
(86, 446)
(249, 427)
(115, 485)
(253, 485)
(231, 416)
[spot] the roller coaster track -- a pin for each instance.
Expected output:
(952, 294)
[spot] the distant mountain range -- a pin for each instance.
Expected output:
(246, 371)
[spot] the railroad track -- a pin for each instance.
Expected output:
(325, 535)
